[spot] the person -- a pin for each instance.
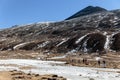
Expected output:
(83, 60)
(104, 64)
(99, 62)
(86, 61)
(72, 60)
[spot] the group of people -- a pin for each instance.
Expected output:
(102, 63)
(85, 61)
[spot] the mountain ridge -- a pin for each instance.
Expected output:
(86, 11)
(98, 32)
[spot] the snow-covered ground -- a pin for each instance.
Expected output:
(55, 67)
(58, 57)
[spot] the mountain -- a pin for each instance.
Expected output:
(86, 11)
(96, 31)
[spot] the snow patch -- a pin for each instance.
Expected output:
(58, 57)
(80, 39)
(43, 44)
(64, 40)
(85, 46)
(98, 58)
(107, 46)
(105, 33)
(20, 45)
(72, 52)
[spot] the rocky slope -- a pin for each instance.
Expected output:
(96, 31)
(86, 11)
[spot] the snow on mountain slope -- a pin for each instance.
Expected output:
(91, 26)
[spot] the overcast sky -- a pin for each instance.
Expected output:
(17, 12)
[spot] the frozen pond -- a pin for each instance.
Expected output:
(55, 67)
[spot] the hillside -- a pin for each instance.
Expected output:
(96, 31)
(86, 11)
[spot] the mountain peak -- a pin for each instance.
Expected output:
(86, 11)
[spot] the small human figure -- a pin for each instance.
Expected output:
(83, 60)
(72, 60)
(104, 64)
(86, 61)
(99, 62)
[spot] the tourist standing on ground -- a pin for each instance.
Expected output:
(99, 62)
(104, 64)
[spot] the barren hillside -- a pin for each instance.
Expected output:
(96, 31)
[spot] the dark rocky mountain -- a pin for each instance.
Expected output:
(86, 11)
(96, 31)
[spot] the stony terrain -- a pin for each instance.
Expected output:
(19, 75)
(93, 32)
